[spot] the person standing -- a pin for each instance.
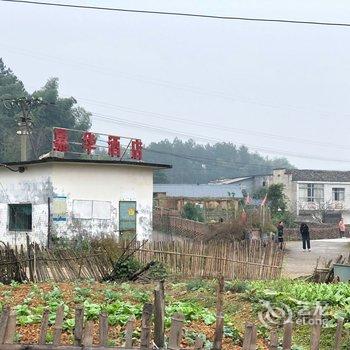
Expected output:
(305, 236)
(280, 228)
(342, 228)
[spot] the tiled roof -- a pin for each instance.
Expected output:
(319, 175)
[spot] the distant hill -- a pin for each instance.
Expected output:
(195, 163)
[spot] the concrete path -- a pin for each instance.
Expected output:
(298, 263)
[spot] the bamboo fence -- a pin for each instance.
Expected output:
(180, 226)
(39, 264)
(242, 260)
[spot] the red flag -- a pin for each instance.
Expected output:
(264, 201)
(248, 199)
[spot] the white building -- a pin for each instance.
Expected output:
(56, 197)
(316, 194)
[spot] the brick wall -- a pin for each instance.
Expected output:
(316, 232)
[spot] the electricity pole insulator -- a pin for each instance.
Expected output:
(25, 123)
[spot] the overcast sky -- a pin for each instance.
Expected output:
(278, 88)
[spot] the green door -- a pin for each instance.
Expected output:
(127, 218)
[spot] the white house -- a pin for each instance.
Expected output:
(315, 193)
(55, 197)
(311, 194)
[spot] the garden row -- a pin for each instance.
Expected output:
(195, 299)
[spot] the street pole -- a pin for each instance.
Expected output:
(23, 134)
(25, 124)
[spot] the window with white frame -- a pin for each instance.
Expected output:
(311, 193)
(338, 194)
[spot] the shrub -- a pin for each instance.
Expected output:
(108, 244)
(124, 269)
(287, 217)
(158, 272)
(191, 211)
(230, 231)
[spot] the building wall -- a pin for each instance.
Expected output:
(104, 183)
(33, 186)
(246, 185)
(261, 181)
(328, 203)
(75, 182)
(280, 176)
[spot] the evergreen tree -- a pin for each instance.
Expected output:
(61, 112)
(195, 163)
(10, 87)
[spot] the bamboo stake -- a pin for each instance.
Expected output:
(43, 327)
(316, 330)
(338, 334)
(219, 328)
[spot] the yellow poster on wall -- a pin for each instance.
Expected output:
(59, 209)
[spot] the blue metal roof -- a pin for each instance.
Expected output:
(202, 190)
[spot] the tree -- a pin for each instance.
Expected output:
(276, 198)
(260, 193)
(195, 163)
(10, 87)
(191, 211)
(61, 112)
(277, 203)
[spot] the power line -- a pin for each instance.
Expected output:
(216, 162)
(167, 83)
(182, 14)
(217, 126)
(120, 121)
(203, 92)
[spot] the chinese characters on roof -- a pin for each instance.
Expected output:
(86, 143)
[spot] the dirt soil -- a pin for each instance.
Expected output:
(238, 311)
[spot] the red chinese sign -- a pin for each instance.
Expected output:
(60, 140)
(136, 149)
(113, 146)
(89, 142)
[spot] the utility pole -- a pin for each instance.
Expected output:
(25, 123)
(25, 126)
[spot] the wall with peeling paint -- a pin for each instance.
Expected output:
(33, 186)
(76, 181)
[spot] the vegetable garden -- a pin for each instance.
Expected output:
(195, 299)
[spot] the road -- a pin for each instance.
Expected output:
(298, 263)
